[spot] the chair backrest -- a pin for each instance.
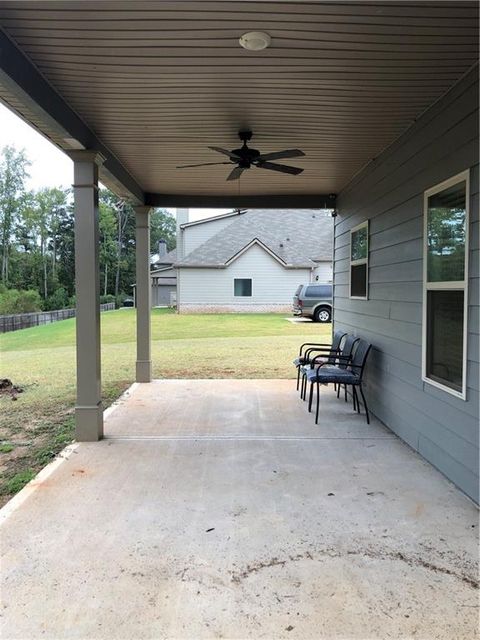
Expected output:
(360, 357)
(337, 339)
(347, 349)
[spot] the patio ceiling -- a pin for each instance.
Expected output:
(152, 84)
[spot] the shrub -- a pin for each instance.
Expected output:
(57, 300)
(14, 301)
(106, 299)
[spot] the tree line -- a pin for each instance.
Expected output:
(37, 251)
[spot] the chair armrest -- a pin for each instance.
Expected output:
(311, 344)
(325, 352)
(345, 359)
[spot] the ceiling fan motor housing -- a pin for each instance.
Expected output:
(246, 155)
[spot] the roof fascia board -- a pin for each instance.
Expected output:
(230, 214)
(288, 201)
(22, 78)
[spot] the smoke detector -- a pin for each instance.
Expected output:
(255, 40)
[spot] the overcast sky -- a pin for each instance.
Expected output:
(51, 167)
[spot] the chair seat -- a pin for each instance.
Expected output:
(331, 373)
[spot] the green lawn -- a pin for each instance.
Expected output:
(42, 361)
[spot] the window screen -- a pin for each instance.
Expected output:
(445, 337)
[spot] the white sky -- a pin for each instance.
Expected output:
(50, 166)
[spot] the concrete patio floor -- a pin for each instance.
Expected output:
(217, 509)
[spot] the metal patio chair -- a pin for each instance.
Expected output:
(346, 351)
(319, 348)
(348, 371)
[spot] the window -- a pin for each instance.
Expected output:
(359, 261)
(319, 291)
(242, 287)
(445, 278)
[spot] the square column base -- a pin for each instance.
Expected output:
(144, 371)
(89, 423)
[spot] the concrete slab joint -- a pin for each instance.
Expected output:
(88, 410)
(143, 293)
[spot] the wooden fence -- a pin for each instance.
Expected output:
(26, 320)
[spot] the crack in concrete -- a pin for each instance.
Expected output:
(239, 576)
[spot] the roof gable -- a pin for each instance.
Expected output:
(296, 237)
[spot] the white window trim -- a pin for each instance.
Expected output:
(251, 288)
(460, 285)
(353, 263)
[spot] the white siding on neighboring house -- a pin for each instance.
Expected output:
(197, 234)
(323, 272)
(273, 285)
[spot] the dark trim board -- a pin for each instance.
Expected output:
(308, 201)
(20, 77)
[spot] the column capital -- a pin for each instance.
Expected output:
(142, 208)
(86, 155)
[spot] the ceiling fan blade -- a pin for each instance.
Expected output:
(235, 173)
(225, 152)
(203, 164)
(282, 168)
(287, 153)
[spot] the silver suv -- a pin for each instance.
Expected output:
(313, 301)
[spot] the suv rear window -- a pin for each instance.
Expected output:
(319, 291)
(300, 287)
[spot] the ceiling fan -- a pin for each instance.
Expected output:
(245, 158)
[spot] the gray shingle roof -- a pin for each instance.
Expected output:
(167, 259)
(298, 236)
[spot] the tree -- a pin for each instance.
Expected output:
(13, 174)
(162, 227)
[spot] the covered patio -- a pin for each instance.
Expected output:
(215, 508)
(208, 509)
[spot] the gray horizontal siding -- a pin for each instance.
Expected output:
(389, 193)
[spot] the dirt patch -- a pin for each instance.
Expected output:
(412, 561)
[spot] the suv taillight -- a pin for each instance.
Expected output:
(300, 303)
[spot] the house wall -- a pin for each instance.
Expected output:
(323, 272)
(196, 235)
(162, 294)
(273, 286)
(389, 192)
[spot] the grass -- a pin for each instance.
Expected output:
(36, 426)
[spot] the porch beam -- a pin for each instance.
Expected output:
(143, 295)
(40, 100)
(290, 201)
(88, 410)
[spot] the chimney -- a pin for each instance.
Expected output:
(182, 218)
(162, 249)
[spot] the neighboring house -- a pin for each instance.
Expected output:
(251, 260)
(164, 277)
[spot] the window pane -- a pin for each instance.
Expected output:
(446, 234)
(359, 244)
(319, 291)
(445, 337)
(242, 287)
(358, 280)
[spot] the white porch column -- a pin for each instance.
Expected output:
(143, 294)
(88, 410)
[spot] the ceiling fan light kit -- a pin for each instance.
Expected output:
(246, 157)
(255, 40)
